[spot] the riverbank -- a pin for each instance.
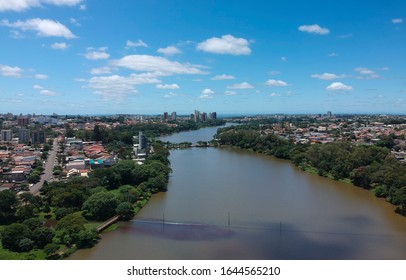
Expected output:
(370, 167)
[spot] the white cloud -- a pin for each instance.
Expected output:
(366, 73)
(172, 86)
(327, 76)
(43, 27)
(10, 71)
(315, 28)
(276, 83)
(207, 93)
(47, 92)
(284, 59)
(139, 43)
(60, 46)
(170, 95)
(332, 54)
(397, 20)
(96, 54)
(227, 44)
(22, 5)
(159, 65)
(230, 93)
(339, 86)
(243, 85)
(41, 76)
(82, 7)
(74, 21)
(37, 87)
(273, 94)
(169, 51)
(222, 77)
(117, 87)
(101, 70)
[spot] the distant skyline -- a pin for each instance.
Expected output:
(230, 57)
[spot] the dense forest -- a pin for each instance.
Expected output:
(368, 166)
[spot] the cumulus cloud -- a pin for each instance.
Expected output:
(59, 46)
(327, 76)
(43, 27)
(159, 65)
(41, 76)
(37, 87)
(169, 51)
(227, 44)
(172, 86)
(207, 93)
(11, 71)
(276, 83)
(117, 87)
(315, 29)
(397, 20)
(139, 43)
(339, 86)
(230, 93)
(96, 54)
(243, 85)
(22, 5)
(273, 94)
(223, 77)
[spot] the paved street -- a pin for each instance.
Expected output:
(48, 167)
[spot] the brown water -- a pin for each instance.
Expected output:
(230, 204)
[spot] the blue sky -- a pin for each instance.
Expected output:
(150, 56)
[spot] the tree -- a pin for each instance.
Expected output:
(87, 238)
(42, 236)
(26, 212)
(8, 203)
(12, 235)
(126, 210)
(69, 227)
(100, 206)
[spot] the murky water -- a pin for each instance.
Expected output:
(230, 204)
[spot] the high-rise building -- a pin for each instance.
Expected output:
(23, 121)
(203, 117)
(213, 115)
(23, 136)
(6, 135)
(142, 141)
(196, 116)
(329, 114)
(165, 116)
(38, 137)
(173, 116)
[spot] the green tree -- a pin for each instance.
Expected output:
(100, 206)
(126, 210)
(12, 235)
(42, 236)
(8, 203)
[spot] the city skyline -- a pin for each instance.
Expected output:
(235, 57)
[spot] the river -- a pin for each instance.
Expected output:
(233, 204)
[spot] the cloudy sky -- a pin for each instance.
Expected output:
(151, 56)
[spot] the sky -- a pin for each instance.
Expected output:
(229, 57)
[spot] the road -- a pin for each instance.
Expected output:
(48, 168)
